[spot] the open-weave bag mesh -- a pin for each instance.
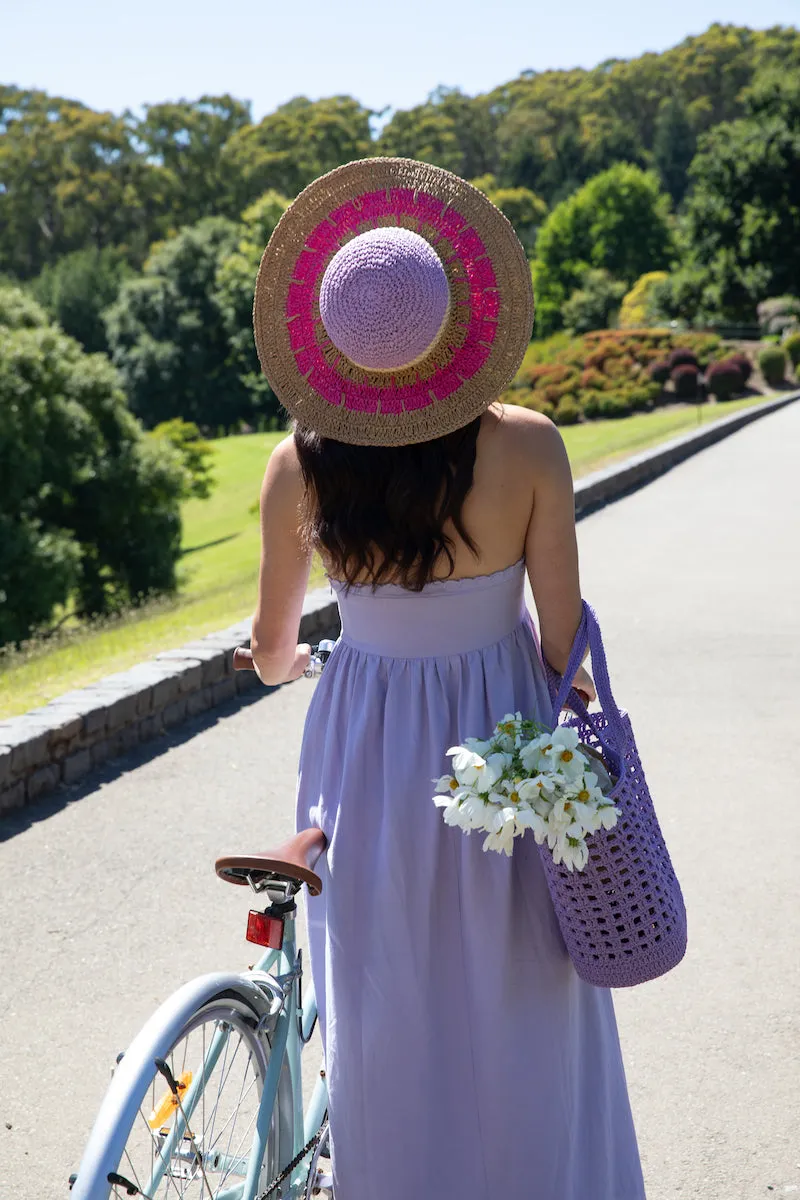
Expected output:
(622, 918)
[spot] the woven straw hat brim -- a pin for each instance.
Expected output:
(409, 410)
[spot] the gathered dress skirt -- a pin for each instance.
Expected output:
(464, 1056)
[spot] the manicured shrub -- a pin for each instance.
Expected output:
(605, 350)
(792, 348)
(743, 363)
(593, 380)
(659, 371)
(683, 356)
(642, 396)
(614, 404)
(620, 368)
(772, 362)
(568, 411)
(724, 379)
(685, 378)
(703, 345)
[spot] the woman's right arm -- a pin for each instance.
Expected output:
(551, 547)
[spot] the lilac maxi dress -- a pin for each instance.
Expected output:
(465, 1058)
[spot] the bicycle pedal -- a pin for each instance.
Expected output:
(323, 1180)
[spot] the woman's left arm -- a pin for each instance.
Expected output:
(283, 573)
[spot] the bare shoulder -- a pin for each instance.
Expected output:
(522, 435)
(283, 466)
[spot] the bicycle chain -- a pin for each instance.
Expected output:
(298, 1158)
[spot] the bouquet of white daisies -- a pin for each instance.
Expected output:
(526, 776)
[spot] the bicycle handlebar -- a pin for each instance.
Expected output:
(243, 659)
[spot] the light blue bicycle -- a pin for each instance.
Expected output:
(206, 1103)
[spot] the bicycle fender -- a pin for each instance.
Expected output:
(134, 1072)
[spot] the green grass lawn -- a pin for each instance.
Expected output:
(219, 565)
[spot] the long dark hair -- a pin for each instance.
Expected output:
(380, 511)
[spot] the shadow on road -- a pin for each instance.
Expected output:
(16, 822)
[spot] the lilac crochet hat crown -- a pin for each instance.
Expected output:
(393, 304)
(384, 299)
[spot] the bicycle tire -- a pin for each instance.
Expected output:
(227, 1007)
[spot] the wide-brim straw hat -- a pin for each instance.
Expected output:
(393, 304)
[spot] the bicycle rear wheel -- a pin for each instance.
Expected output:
(190, 1107)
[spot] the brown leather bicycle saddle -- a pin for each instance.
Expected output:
(294, 861)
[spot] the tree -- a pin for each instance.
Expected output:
(449, 130)
(187, 140)
(168, 337)
(593, 305)
(298, 142)
(78, 287)
(524, 209)
(89, 509)
(70, 178)
(233, 295)
(674, 145)
(618, 221)
(196, 453)
(743, 215)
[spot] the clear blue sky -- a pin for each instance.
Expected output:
(115, 55)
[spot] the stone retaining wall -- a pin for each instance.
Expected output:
(60, 742)
(63, 740)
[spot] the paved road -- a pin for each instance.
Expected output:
(109, 900)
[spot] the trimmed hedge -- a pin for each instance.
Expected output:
(792, 348)
(743, 363)
(659, 371)
(685, 377)
(607, 373)
(683, 357)
(724, 379)
(772, 362)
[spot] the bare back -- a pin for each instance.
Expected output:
(521, 505)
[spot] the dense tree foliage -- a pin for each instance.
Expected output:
(89, 508)
(167, 335)
(72, 178)
(743, 215)
(618, 221)
(233, 296)
(78, 288)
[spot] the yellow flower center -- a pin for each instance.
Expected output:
(515, 797)
(453, 784)
(584, 795)
(567, 756)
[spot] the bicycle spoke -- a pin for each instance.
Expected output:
(232, 1121)
(223, 1081)
(232, 1117)
(241, 1142)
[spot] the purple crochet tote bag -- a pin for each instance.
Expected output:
(622, 918)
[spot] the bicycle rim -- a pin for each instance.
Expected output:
(198, 1147)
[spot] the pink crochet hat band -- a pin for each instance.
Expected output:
(393, 304)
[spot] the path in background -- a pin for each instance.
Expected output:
(109, 901)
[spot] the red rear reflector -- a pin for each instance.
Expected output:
(264, 930)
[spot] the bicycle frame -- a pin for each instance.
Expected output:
(293, 1029)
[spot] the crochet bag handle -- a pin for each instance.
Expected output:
(614, 737)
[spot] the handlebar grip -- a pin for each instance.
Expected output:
(243, 659)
